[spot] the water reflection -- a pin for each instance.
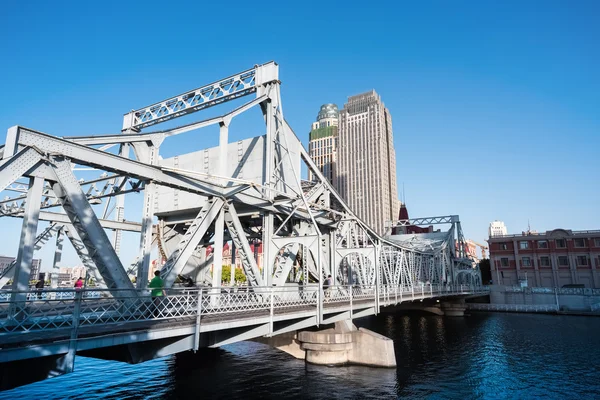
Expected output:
(481, 356)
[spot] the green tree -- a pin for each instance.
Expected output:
(226, 273)
(239, 275)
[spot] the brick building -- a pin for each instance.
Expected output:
(551, 259)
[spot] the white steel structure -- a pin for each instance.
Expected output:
(243, 192)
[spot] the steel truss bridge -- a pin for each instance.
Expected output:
(245, 193)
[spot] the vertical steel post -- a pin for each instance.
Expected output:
(220, 220)
(272, 290)
(198, 315)
(351, 305)
(68, 364)
(146, 237)
(120, 204)
(27, 241)
(218, 252)
(232, 269)
(267, 193)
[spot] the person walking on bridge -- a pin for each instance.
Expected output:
(157, 286)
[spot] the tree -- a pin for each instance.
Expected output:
(226, 274)
(239, 275)
(486, 272)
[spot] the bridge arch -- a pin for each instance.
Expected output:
(357, 268)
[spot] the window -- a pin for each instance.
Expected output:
(542, 244)
(545, 261)
(526, 261)
(503, 246)
(579, 242)
(597, 242)
(582, 260)
(523, 245)
(560, 243)
(504, 262)
(563, 260)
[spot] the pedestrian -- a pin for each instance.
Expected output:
(157, 286)
(39, 286)
(327, 284)
(79, 283)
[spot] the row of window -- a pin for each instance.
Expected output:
(559, 243)
(545, 261)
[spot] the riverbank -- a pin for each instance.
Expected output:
(529, 308)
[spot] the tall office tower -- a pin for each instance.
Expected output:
(497, 228)
(366, 162)
(322, 145)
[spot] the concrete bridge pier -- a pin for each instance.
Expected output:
(342, 344)
(454, 308)
(345, 344)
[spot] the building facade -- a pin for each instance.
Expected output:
(551, 259)
(36, 266)
(323, 142)
(366, 160)
(497, 228)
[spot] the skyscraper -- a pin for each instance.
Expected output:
(497, 228)
(322, 145)
(366, 160)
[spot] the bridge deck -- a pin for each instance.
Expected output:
(43, 322)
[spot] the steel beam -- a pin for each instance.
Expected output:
(190, 241)
(87, 226)
(18, 165)
(143, 266)
(60, 218)
(230, 88)
(27, 242)
(241, 243)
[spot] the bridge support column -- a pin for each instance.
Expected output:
(345, 344)
(454, 308)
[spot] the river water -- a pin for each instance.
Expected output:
(482, 356)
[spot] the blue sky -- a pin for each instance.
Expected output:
(495, 105)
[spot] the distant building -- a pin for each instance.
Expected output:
(36, 266)
(409, 229)
(547, 259)
(65, 279)
(471, 250)
(497, 228)
(256, 250)
(78, 272)
(323, 141)
(366, 160)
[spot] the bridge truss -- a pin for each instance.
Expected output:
(188, 213)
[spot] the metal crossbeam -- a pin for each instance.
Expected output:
(448, 219)
(17, 166)
(236, 231)
(84, 255)
(190, 240)
(230, 88)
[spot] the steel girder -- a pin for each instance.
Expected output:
(236, 231)
(88, 228)
(190, 240)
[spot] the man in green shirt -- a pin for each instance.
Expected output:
(156, 284)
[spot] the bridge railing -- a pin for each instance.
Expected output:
(44, 310)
